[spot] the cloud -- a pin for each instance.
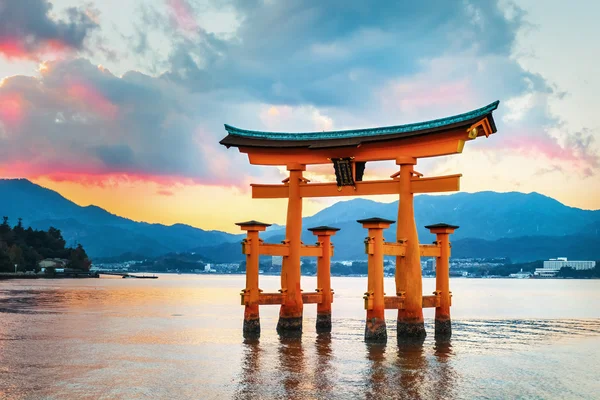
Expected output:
(165, 192)
(335, 53)
(287, 66)
(183, 17)
(80, 119)
(28, 29)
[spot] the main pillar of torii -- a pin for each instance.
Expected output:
(349, 151)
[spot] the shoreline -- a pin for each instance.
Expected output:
(4, 276)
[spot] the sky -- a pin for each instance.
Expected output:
(122, 103)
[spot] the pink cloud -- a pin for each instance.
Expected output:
(92, 99)
(183, 15)
(30, 30)
(575, 154)
(422, 94)
(12, 108)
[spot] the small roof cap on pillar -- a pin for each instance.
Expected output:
(441, 226)
(375, 220)
(252, 222)
(261, 225)
(323, 228)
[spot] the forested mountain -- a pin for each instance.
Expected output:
(22, 249)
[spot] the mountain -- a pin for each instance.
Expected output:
(482, 215)
(517, 225)
(100, 232)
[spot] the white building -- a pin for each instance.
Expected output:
(207, 268)
(552, 266)
(521, 274)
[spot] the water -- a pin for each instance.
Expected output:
(179, 337)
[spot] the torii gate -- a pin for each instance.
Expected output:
(349, 151)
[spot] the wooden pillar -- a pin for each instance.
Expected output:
(290, 314)
(443, 324)
(250, 294)
(375, 329)
(409, 279)
(324, 234)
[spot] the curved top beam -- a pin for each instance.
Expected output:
(242, 137)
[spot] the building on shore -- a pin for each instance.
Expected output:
(521, 275)
(552, 266)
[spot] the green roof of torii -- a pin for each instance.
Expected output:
(238, 136)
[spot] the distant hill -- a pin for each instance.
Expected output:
(520, 226)
(481, 215)
(102, 233)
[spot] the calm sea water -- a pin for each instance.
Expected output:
(179, 337)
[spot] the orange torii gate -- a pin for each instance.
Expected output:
(349, 151)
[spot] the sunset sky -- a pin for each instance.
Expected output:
(121, 103)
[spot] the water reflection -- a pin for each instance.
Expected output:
(407, 373)
(377, 376)
(445, 376)
(292, 365)
(324, 372)
(250, 382)
(411, 370)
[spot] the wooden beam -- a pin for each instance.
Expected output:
(394, 249)
(394, 302)
(269, 191)
(431, 301)
(312, 298)
(418, 147)
(397, 302)
(311, 251)
(430, 250)
(270, 298)
(278, 298)
(448, 183)
(269, 249)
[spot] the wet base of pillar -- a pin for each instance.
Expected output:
(289, 325)
(251, 328)
(323, 324)
(410, 330)
(375, 331)
(443, 328)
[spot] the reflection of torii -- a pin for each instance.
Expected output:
(350, 151)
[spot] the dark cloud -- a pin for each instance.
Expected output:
(26, 27)
(330, 53)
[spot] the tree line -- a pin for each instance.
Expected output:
(25, 248)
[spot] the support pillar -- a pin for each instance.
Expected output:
(324, 234)
(409, 279)
(290, 314)
(443, 324)
(250, 294)
(375, 329)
